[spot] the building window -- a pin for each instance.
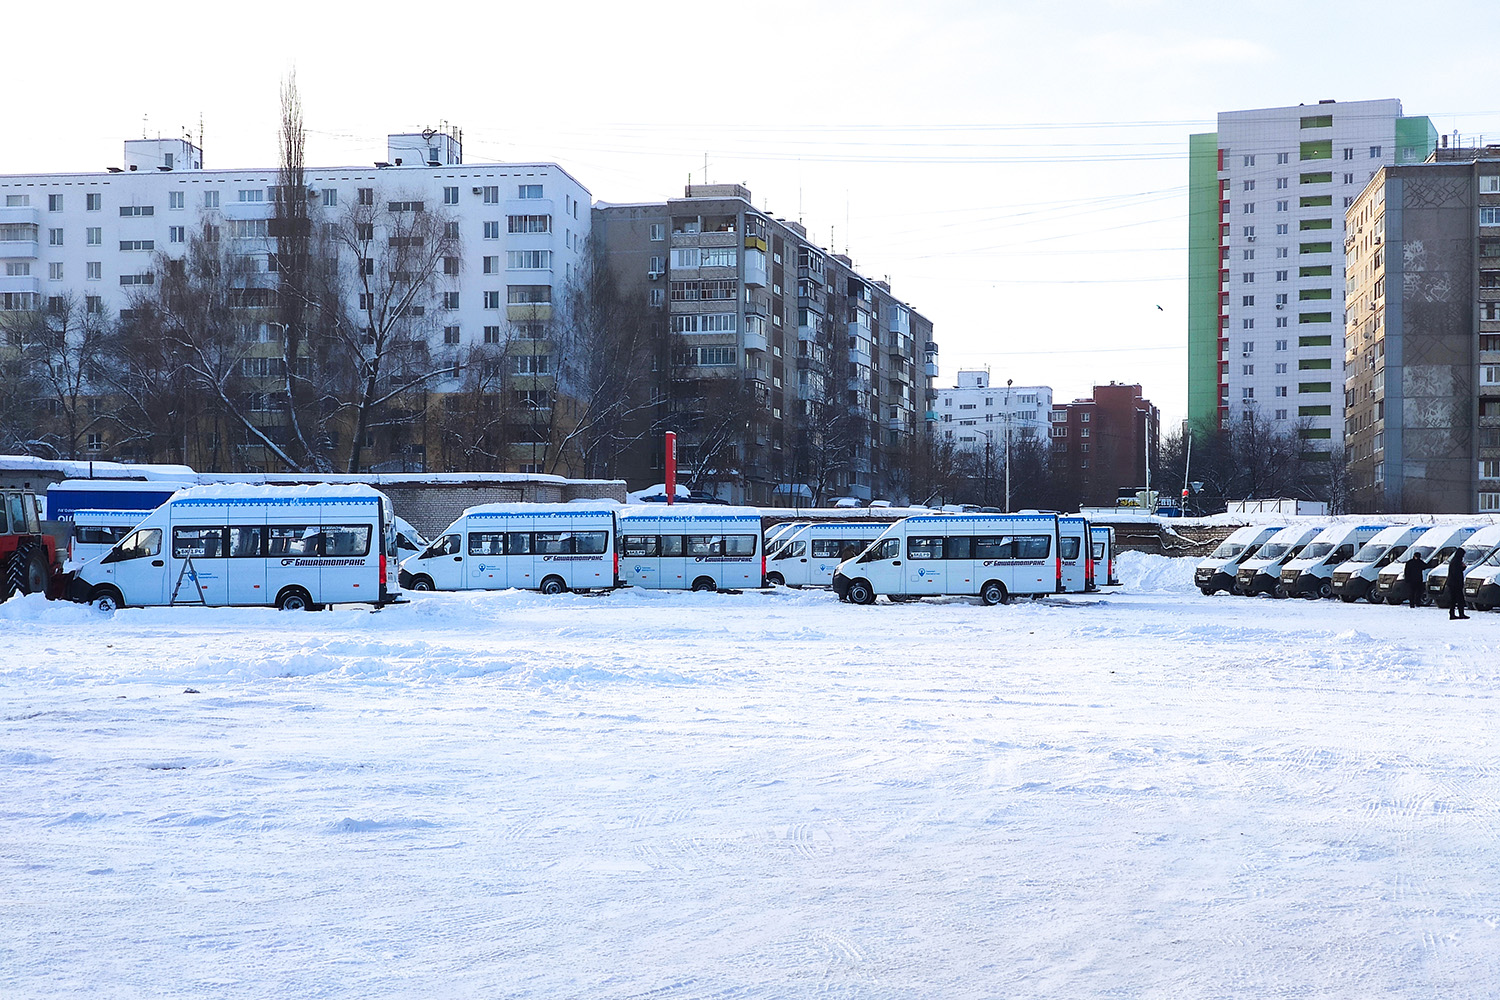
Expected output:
(1249, 161)
(1489, 216)
(1248, 278)
(492, 299)
(55, 271)
(528, 260)
(1281, 389)
(529, 191)
(1375, 152)
(1348, 152)
(94, 270)
(1247, 392)
(492, 335)
(450, 300)
(1281, 366)
(450, 334)
(1283, 229)
(1247, 300)
(1281, 275)
(1247, 369)
(1280, 414)
(529, 294)
(55, 237)
(450, 196)
(1348, 178)
(366, 196)
(1281, 206)
(658, 231)
(1247, 254)
(176, 200)
(1247, 347)
(656, 297)
(492, 230)
(1282, 182)
(93, 202)
(211, 199)
(1248, 208)
(1283, 157)
(330, 197)
(1249, 232)
(1248, 186)
(252, 194)
(177, 234)
(414, 207)
(128, 245)
(1248, 323)
(54, 203)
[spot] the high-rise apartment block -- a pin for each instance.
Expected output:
(793, 376)
(1100, 444)
(1268, 194)
(1422, 388)
(518, 231)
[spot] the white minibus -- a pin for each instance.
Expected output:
(95, 532)
(1217, 572)
(778, 533)
(1077, 555)
(1104, 555)
(691, 546)
(993, 556)
(1261, 573)
(551, 547)
(291, 547)
(808, 556)
(1310, 574)
(1355, 577)
(1435, 546)
(1477, 550)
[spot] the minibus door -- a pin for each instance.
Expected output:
(137, 566)
(350, 564)
(924, 571)
(520, 561)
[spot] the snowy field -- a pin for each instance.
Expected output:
(1145, 793)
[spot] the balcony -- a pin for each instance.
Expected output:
(931, 416)
(20, 283)
(808, 334)
(859, 357)
(18, 249)
(931, 369)
(755, 268)
(20, 215)
(755, 340)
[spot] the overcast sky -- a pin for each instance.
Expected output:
(1019, 171)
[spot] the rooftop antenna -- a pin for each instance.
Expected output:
(145, 123)
(705, 167)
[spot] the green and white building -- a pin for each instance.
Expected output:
(1267, 197)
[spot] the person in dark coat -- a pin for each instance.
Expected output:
(1456, 569)
(1411, 573)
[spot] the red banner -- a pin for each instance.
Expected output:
(671, 454)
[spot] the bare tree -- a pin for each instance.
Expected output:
(60, 349)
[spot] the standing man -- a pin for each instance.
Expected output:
(1411, 573)
(1455, 585)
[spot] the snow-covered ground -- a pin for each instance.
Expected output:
(767, 795)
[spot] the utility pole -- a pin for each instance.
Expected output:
(1007, 444)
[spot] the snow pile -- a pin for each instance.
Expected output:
(1143, 573)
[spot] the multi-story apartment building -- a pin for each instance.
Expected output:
(975, 415)
(1100, 444)
(1267, 196)
(515, 235)
(792, 376)
(1422, 363)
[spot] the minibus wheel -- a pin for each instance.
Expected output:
(775, 580)
(704, 583)
(553, 585)
(294, 599)
(423, 582)
(860, 592)
(993, 593)
(106, 599)
(1325, 589)
(1373, 597)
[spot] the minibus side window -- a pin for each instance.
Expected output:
(889, 548)
(825, 548)
(554, 543)
(705, 545)
(642, 546)
(1068, 548)
(293, 540)
(671, 545)
(928, 547)
(958, 547)
(346, 539)
(993, 547)
(1038, 547)
(141, 544)
(246, 542)
(591, 543)
(739, 545)
(486, 543)
(197, 543)
(1098, 550)
(518, 543)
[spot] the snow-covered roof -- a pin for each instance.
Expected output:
(315, 493)
(662, 511)
(594, 507)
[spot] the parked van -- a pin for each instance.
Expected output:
(1482, 583)
(1478, 547)
(1261, 573)
(689, 546)
(1077, 555)
(1311, 573)
(1356, 577)
(95, 532)
(1436, 545)
(291, 547)
(1217, 572)
(809, 555)
(777, 534)
(1104, 555)
(409, 540)
(527, 546)
(993, 556)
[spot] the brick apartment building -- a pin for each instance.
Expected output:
(1099, 444)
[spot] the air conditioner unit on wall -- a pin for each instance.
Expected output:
(479, 190)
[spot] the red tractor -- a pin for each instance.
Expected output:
(29, 562)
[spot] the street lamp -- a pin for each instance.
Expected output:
(1007, 444)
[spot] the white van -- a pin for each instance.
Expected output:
(810, 554)
(1355, 578)
(1217, 572)
(993, 556)
(1261, 573)
(551, 547)
(1436, 545)
(409, 540)
(1077, 555)
(1311, 573)
(1104, 555)
(778, 533)
(95, 532)
(1477, 550)
(691, 546)
(291, 547)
